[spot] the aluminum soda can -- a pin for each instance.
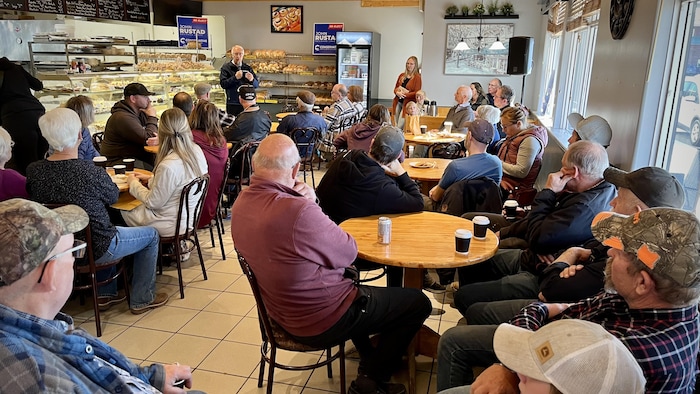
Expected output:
(384, 230)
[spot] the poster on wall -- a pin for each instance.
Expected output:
(324, 37)
(192, 32)
(286, 19)
(471, 49)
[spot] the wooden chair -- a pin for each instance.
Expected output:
(275, 337)
(445, 150)
(305, 139)
(191, 211)
(97, 140)
(219, 217)
(86, 273)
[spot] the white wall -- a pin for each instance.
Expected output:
(401, 28)
(441, 87)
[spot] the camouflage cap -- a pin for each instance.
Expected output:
(666, 240)
(28, 233)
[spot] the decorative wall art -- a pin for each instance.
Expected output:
(477, 49)
(287, 19)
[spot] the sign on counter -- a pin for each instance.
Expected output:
(324, 37)
(192, 31)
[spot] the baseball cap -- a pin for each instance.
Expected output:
(246, 92)
(570, 354)
(593, 128)
(136, 89)
(666, 240)
(306, 97)
(201, 88)
(481, 130)
(29, 231)
(389, 141)
(655, 186)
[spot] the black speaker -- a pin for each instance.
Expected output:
(520, 55)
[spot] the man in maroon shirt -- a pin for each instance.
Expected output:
(299, 257)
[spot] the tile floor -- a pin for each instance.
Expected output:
(214, 329)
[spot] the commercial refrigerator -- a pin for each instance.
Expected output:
(358, 62)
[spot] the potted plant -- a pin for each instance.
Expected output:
(452, 10)
(478, 9)
(465, 10)
(493, 7)
(507, 9)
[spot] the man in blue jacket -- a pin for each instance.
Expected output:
(234, 74)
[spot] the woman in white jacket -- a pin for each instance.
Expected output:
(178, 162)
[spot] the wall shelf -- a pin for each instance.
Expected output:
(485, 16)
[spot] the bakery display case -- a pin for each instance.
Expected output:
(282, 75)
(79, 56)
(171, 58)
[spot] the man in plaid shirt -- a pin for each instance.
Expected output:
(203, 90)
(650, 303)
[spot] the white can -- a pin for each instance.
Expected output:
(384, 230)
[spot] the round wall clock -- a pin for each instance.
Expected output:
(620, 16)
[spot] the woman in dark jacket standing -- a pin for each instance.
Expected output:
(19, 115)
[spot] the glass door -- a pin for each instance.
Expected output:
(353, 68)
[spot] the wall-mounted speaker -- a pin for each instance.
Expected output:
(520, 51)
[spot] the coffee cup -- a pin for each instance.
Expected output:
(462, 240)
(423, 129)
(511, 207)
(119, 169)
(129, 163)
(100, 161)
(481, 224)
(448, 126)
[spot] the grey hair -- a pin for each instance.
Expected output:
(589, 157)
(467, 89)
(488, 113)
(60, 127)
(507, 93)
(5, 145)
(303, 106)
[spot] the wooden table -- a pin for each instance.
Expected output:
(282, 115)
(126, 201)
(154, 148)
(274, 126)
(418, 241)
(434, 138)
(429, 177)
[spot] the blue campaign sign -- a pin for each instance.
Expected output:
(324, 37)
(192, 30)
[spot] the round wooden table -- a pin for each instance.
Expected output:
(418, 241)
(429, 139)
(126, 201)
(415, 169)
(282, 115)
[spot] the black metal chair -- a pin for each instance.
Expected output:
(445, 150)
(305, 139)
(240, 171)
(275, 337)
(97, 140)
(190, 209)
(219, 217)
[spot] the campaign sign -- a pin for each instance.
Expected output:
(324, 37)
(192, 31)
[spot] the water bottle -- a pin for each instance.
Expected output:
(432, 108)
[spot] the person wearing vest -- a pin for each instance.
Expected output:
(521, 152)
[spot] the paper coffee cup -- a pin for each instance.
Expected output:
(119, 169)
(481, 224)
(423, 129)
(511, 207)
(100, 161)
(448, 127)
(129, 163)
(462, 240)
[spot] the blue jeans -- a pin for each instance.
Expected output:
(142, 242)
(461, 348)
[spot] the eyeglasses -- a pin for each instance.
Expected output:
(505, 126)
(499, 97)
(78, 251)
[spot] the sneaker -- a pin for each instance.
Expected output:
(434, 287)
(452, 287)
(106, 302)
(159, 300)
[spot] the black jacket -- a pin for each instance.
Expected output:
(471, 195)
(586, 283)
(355, 185)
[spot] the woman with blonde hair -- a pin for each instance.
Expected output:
(178, 162)
(207, 133)
(521, 151)
(407, 84)
(82, 105)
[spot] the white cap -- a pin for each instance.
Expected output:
(572, 355)
(593, 128)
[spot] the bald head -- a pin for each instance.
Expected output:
(276, 159)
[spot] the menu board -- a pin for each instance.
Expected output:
(137, 11)
(110, 9)
(15, 5)
(81, 7)
(46, 6)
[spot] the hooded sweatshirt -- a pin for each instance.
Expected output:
(216, 160)
(126, 133)
(358, 136)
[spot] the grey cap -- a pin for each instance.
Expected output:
(201, 88)
(388, 142)
(593, 128)
(655, 186)
(481, 130)
(28, 233)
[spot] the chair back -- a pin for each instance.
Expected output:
(97, 140)
(445, 150)
(305, 139)
(472, 195)
(191, 205)
(361, 116)
(222, 187)
(551, 160)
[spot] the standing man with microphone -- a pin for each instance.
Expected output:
(234, 74)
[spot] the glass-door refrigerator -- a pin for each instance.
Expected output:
(358, 62)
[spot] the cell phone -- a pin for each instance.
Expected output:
(180, 383)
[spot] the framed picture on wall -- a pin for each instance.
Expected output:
(286, 19)
(477, 49)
